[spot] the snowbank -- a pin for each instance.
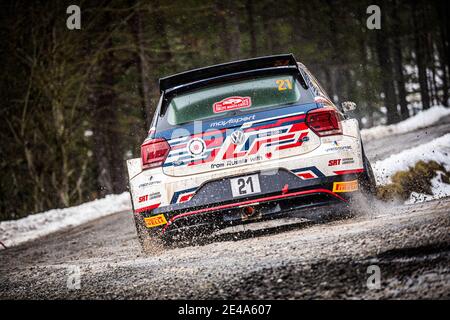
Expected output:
(421, 120)
(437, 150)
(37, 225)
(439, 188)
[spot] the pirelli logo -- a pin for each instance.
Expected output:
(155, 221)
(345, 186)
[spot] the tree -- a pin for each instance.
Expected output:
(398, 64)
(420, 51)
(383, 47)
(104, 104)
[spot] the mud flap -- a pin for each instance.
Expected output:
(149, 241)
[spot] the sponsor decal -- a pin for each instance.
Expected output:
(237, 137)
(148, 184)
(348, 161)
(196, 146)
(345, 186)
(334, 162)
(341, 148)
(155, 221)
(232, 121)
(232, 103)
(148, 197)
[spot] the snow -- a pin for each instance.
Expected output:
(14, 232)
(439, 188)
(437, 150)
(423, 119)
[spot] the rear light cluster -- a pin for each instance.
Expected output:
(154, 152)
(324, 121)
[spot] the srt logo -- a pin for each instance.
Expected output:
(238, 137)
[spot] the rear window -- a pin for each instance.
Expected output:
(231, 98)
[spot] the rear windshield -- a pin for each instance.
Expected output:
(231, 98)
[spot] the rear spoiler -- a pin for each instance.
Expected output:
(225, 69)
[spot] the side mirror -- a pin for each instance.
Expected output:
(348, 106)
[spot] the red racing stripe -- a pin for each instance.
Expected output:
(277, 124)
(259, 143)
(295, 144)
(349, 171)
(153, 206)
(186, 197)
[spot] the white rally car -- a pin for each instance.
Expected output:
(242, 142)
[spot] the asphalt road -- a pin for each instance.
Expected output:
(410, 244)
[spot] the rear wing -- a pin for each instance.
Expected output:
(282, 60)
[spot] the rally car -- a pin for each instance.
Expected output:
(245, 142)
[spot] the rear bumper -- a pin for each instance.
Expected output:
(284, 194)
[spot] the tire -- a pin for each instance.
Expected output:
(367, 180)
(362, 202)
(150, 243)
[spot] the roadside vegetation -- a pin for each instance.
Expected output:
(416, 179)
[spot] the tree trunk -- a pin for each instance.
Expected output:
(161, 30)
(443, 12)
(142, 68)
(108, 152)
(365, 107)
(387, 78)
(444, 69)
(400, 80)
(269, 35)
(420, 43)
(398, 68)
(230, 29)
(251, 27)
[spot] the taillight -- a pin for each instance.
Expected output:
(154, 153)
(324, 121)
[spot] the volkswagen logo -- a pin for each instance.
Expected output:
(238, 137)
(196, 146)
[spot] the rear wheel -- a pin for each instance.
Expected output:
(363, 202)
(367, 180)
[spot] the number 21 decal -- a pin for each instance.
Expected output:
(284, 84)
